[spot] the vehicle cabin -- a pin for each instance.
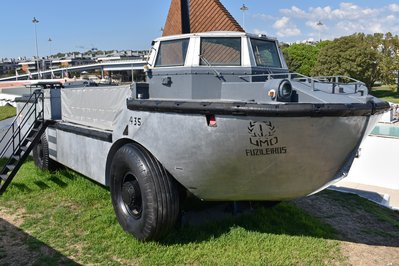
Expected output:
(194, 66)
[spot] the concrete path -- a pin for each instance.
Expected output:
(376, 171)
(4, 125)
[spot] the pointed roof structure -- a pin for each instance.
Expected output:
(190, 16)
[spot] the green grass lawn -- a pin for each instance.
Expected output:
(387, 93)
(74, 216)
(7, 112)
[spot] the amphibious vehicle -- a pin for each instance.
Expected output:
(220, 116)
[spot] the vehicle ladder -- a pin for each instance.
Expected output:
(21, 137)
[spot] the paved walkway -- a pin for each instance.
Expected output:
(4, 125)
(376, 171)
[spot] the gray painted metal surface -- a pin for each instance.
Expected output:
(227, 163)
(85, 155)
(227, 156)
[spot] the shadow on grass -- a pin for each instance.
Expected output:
(58, 181)
(41, 185)
(363, 221)
(19, 248)
(22, 187)
(385, 94)
(216, 219)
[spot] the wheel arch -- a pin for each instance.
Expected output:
(120, 143)
(115, 147)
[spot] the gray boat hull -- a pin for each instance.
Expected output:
(252, 158)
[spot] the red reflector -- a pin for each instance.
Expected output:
(211, 120)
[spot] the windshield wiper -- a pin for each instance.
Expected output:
(217, 73)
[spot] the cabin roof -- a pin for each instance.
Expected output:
(215, 34)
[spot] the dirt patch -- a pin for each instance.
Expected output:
(19, 248)
(13, 250)
(366, 238)
(16, 217)
(361, 254)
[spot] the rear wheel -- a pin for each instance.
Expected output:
(145, 197)
(41, 155)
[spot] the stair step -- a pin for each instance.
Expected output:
(24, 148)
(4, 177)
(16, 157)
(10, 167)
(28, 139)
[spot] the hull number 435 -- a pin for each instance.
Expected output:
(135, 121)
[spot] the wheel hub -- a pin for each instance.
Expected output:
(131, 196)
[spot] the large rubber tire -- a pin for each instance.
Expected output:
(145, 197)
(41, 155)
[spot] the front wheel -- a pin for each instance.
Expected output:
(144, 196)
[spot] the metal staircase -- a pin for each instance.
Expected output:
(20, 138)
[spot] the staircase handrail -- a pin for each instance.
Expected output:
(36, 96)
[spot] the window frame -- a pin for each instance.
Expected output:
(220, 37)
(277, 53)
(170, 41)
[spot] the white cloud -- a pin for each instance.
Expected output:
(258, 31)
(289, 31)
(281, 23)
(285, 28)
(345, 19)
(394, 7)
(346, 10)
(264, 17)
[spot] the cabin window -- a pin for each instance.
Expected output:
(172, 53)
(220, 51)
(266, 53)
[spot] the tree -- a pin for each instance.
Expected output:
(354, 56)
(302, 57)
(388, 50)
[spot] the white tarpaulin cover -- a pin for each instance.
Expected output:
(98, 107)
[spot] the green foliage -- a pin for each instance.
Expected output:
(368, 58)
(74, 216)
(7, 112)
(388, 51)
(351, 56)
(302, 57)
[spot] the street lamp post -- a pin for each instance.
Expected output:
(320, 25)
(35, 21)
(243, 9)
(50, 57)
(49, 41)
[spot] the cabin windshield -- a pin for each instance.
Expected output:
(220, 51)
(172, 53)
(266, 53)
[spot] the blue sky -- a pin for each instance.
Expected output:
(131, 24)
